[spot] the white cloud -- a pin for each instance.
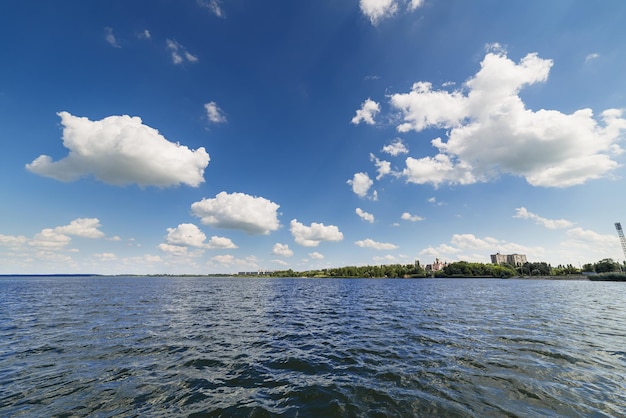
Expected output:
(479, 249)
(145, 34)
(377, 10)
(406, 216)
(382, 167)
(316, 256)
(369, 109)
(12, 241)
(436, 170)
(186, 235)
(110, 38)
(214, 6)
(414, 4)
(179, 53)
(492, 132)
(523, 213)
(282, 249)
(254, 215)
(220, 243)
(176, 250)
(369, 243)
(396, 148)
(592, 57)
(82, 227)
(121, 150)
(361, 184)
(311, 236)
(214, 113)
(364, 215)
(105, 256)
(49, 238)
(224, 259)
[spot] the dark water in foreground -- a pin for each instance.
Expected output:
(308, 347)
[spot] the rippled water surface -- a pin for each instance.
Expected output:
(145, 346)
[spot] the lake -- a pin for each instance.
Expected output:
(167, 346)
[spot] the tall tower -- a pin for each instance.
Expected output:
(622, 240)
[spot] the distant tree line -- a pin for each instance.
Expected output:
(389, 271)
(606, 265)
(456, 269)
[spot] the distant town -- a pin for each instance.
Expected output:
(501, 266)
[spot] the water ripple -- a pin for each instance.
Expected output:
(292, 347)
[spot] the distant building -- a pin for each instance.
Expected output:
(512, 259)
(436, 266)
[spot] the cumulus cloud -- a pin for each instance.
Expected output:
(214, 113)
(369, 243)
(369, 109)
(311, 236)
(406, 216)
(179, 53)
(105, 256)
(220, 243)
(12, 241)
(50, 239)
(490, 130)
(224, 259)
(253, 215)
(461, 244)
(282, 249)
(53, 239)
(364, 215)
(396, 148)
(316, 256)
(382, 167)
(121, 150)
(377, 10)
(186, 235)
(361, 184)
(523, 213)
(82, 227)
(175, 250)
(110, 38)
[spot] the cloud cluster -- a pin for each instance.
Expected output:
(368, 217)
(369, 109)
(179, 53)
(406, 216)
(396, 148)
(51, 239)
(490, 131)
(110, 37)
(121, 150)
(282, 250)
(370, 243)
(214, 7)
(377, 10)
(311, 236)
(214, 113)
(468, 243)
(253, 215)
(523, 213)
(185, 236)
(361, 184)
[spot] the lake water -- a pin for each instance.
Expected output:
(147, 346)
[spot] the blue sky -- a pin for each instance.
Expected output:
(205, 136)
